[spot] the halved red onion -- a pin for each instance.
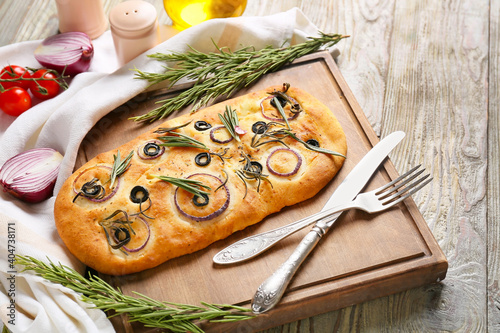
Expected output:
(263, 111)
(108, 172)
(141, 246)
(284, 174)
(31, 175)
(211, 215)
(141, 151)
(69, 51)
(213, 133)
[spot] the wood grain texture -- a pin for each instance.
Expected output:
(430, 68)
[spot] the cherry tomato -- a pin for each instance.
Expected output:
(13, 72)
(15, 101)
(46, 88)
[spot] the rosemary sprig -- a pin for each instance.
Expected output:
(230, 121)
(140, 308)
(175, 139)
(119, 166)
(192, 186)
(222, 73)
(278, 135)
(314, 148)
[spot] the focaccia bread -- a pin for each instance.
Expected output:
(198, 178)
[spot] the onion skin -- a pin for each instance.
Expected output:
(71, 52)
(31, 175)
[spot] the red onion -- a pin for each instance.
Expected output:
(108, 174)
(31, 175)
(213, 133)
(70, 51)
(211, 215)
(291, 173)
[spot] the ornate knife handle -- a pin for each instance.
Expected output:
(270, 291)
(254, 245)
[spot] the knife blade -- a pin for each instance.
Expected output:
(350, 187)
(272, 289)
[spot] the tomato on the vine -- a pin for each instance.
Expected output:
(15, 101)
(14, 72)
(46, 88)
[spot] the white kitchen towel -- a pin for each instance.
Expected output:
(61, 123)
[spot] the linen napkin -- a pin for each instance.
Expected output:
(61, 123)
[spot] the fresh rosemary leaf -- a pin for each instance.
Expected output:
(181, 140)
(230, 121)
(222, 73)
(281, 111)
(192, 186)
(314, 148)
(119, 166)
(150, 312)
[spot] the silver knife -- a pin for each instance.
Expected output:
(254, 245)
(271, 290)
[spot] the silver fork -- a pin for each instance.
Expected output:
(272, 289)
(374, 201)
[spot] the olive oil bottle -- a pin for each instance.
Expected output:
(187, 13)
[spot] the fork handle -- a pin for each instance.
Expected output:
(271, 290)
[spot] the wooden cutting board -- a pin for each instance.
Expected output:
(362, 258)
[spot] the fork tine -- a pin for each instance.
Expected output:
(380, 190)
(411, 189)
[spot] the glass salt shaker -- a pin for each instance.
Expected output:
(82, 15)
(134, 27)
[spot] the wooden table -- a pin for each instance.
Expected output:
(429, 68)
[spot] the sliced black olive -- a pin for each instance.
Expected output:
(313, 142)
(255, 167)
(197, 198)
(151, 149)
(282, 101)
(122, 237)
(202, 125)
(92, 189)
(203, 159)
(259, 127)
(139, 194)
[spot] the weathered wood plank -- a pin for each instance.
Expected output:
(437, 93)
(493, 231)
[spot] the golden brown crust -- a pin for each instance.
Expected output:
(172, 234)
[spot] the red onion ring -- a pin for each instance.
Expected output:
(214, 139)
(295, 115)
(291, 173)
(140, 150)
(211, 215)
(140, 247)
(101, 199)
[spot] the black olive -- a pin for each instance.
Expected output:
(203, 159)
(151, 149)
(122, 237)
(202, 125)
(91, 189)
(280, 99)
(139, 194)
(197, 198)
(313, 142)
(259, 127)
(255, 167)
